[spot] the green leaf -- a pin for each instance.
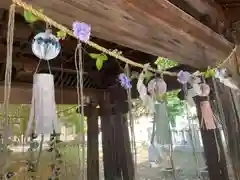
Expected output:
(209, 73)
(103, 57)
(99, 63)
(61, 34)
(164, 63)
(134, 75)
(148, 76)
(94, 56)
(31, 18)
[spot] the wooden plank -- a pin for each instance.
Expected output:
(157, 27)
(208, 12)
(22, 94)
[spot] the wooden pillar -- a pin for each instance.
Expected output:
(228, 104)
(108, 140)
(213, 148)
(125, 161)
(92, 142)
(117, 156)
(118, 97)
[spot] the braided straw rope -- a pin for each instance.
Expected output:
(96, 46)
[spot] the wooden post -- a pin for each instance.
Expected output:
(124, 149)
(119, 99)
(92, 143)
(117, 156)
(108, 141)
(228, 104)
(213, 148)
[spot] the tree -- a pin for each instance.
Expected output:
(69, 116)
(175, 106)
(19, 116)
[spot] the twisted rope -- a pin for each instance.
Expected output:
(79, 68)
(7, 90)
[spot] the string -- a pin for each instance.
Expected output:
(8, 71)
(185, 90)
(7, 87)
(79, 69)
(98, 47)
(130, 116)
(82, 108)
(38, 66)
(171, 153)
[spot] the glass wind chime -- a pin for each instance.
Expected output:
(152, 98)
(201, 89)
(43, 119)
(195, 86)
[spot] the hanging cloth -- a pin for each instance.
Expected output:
(163, 135)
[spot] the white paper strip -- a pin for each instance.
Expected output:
(43, 109)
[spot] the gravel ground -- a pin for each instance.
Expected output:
(184, 161)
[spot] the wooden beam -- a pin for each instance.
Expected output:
(208, 12)
(157, 27)
(22, 94)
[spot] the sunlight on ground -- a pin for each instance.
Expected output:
(71, 156)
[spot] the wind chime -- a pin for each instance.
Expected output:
(152, 97)
(197, 88)
(43, 119)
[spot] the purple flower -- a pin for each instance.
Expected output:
(183, 77)
(125, 82)
(221, 73)
(82, 31)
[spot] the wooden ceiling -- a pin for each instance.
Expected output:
(156, 27)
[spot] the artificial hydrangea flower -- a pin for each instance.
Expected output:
(183, 77)
(82, 31)
(125, 82)
(221, 73)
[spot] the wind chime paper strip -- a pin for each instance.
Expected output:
(208, 118)
(163, 135)
(43, 109)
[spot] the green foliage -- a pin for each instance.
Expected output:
(164, 63)
(29, 17)
(70, 117)
(100, 59)
(209, 73)
(175, 106)
(19, 115)
(61, 34)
